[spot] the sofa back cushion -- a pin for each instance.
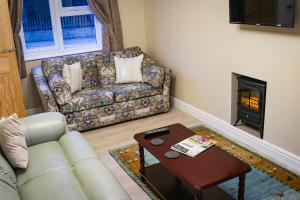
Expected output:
(106, 65)
(8, 181)
(154, 75)
(88, 64)
(60, 88)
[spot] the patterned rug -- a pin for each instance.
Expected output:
(266, 180)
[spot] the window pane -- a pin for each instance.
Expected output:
(78, 30)
(37, 24)
(71, 3)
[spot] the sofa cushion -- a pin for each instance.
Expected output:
(67, 169)
(43, 127)
(8, 193)
(43, 158)
(87, 99)
(8, 181)
(106, 65)
(131, 91)
(154, 75)
(13, 142)
(60, 88)
(127, 53)
(106, 70)
(129, 70)
(89, 71)
(73, 76)
(98, 182)
(48, 175)
(88, 64)
(58, 184)
(76, 148)
(52, 65)
(148, 61)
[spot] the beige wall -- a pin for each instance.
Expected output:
(195, 39)
(133, 24)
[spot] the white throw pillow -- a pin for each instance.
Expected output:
(73, 76)
(13, 143)
(129, 70)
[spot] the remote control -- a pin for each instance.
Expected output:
(157, 131)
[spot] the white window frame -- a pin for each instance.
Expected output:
(57, 11)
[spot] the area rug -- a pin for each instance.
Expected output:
(266, 180)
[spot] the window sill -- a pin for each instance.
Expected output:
(51, 54)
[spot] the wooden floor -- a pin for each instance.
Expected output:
(109, 137)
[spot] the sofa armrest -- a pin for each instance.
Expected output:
(48, 101)
(167, 82)
(44, 127)
(61, 90)
(157, 75)
(154, 75)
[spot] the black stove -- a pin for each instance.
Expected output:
(251, 103)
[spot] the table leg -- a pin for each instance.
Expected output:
(199, 194)
(142, 161)
(241, 187)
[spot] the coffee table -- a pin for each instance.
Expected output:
(186, 177)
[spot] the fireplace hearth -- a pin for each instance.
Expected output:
(251, 103)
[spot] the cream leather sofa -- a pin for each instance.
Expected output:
(62, 166)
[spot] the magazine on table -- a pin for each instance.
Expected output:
(193, 145)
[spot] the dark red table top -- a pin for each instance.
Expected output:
(209, 168)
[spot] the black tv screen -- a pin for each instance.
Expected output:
(262, 12)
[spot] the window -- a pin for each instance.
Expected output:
(59, 27)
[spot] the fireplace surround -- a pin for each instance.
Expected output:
(251, 103)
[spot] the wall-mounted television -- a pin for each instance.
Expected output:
(262, 12)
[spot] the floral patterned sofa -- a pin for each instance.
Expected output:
(101, 102)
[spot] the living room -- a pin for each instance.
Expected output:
(206, 51)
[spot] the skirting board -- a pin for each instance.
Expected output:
(266, 149)
(34, 111)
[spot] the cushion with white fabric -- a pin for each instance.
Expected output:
(128, 70)
(73, 76)
(13, 142)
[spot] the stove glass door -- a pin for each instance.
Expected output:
(250, 98)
